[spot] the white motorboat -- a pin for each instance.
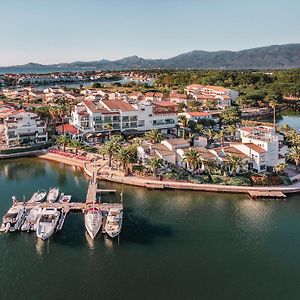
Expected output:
(13, 219)
(114, 222)
(39, 196)
(31, 219)
(53, 194)
(46, 223)
(64, 198)
(93, 220)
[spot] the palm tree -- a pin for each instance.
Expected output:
(183, 122)
(63, 140)
(154, 163)
(110, 148)
(231, 130)
(126, 156)
(295, 139)
(192, 158)
(221, 136)
(76, 145)
(235, 163)
(54, 112)
(200, 128)
(273, 104)
(279, 169)
(154, 136)
(109, 127)
(294, 155)
(210, 134)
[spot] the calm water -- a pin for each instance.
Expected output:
(290, 117)
(174, 245)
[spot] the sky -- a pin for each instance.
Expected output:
(56, 31)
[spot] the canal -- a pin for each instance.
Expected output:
(174, 245)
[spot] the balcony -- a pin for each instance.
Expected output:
(116, 119)
(133, 118)
(133, 125)
(158, 123)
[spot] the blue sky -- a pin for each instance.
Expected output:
(63, 30)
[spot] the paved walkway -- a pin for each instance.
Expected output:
(116, 176)
(157, 184)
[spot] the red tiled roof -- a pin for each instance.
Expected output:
(93, 107)
(165, 104)
(199, 113)
(215, 88)
(67, 128)
(255, 148)
(177, 141)
(178, 96)
(118, 104)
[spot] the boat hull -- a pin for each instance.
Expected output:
(93, 223)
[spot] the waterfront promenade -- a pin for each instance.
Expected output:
(115, 176)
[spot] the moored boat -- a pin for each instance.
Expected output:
(39, 196)
(64, 198)
(53, 194)
(47, 222)
(114, 222)
(30, 221)
(13, 219)
(93, 220)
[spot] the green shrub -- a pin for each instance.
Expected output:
(26, 149)
(239, 181)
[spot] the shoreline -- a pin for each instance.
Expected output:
(163, 185)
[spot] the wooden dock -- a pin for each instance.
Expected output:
(65, 208)
(266, 195)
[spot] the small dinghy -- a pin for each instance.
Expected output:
(64, 198)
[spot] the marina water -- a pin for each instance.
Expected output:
(174, 244)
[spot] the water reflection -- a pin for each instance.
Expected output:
(22, 169)
(90, 241)
(39, 246)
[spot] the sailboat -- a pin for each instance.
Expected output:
(93, 215)
(93, 220)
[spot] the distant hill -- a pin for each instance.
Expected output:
(271, 57)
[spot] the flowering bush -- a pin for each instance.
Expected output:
(266, 180)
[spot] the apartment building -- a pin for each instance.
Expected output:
(263, 145)
(93, 116)
(23, 128)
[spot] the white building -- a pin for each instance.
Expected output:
(211, 90)
(93, 116)
(263, 145)
(197, 115)
(22, 127)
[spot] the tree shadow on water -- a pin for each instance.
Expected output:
(140, 231)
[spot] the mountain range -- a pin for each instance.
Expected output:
(270, 57)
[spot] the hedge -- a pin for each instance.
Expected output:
(26, 149)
